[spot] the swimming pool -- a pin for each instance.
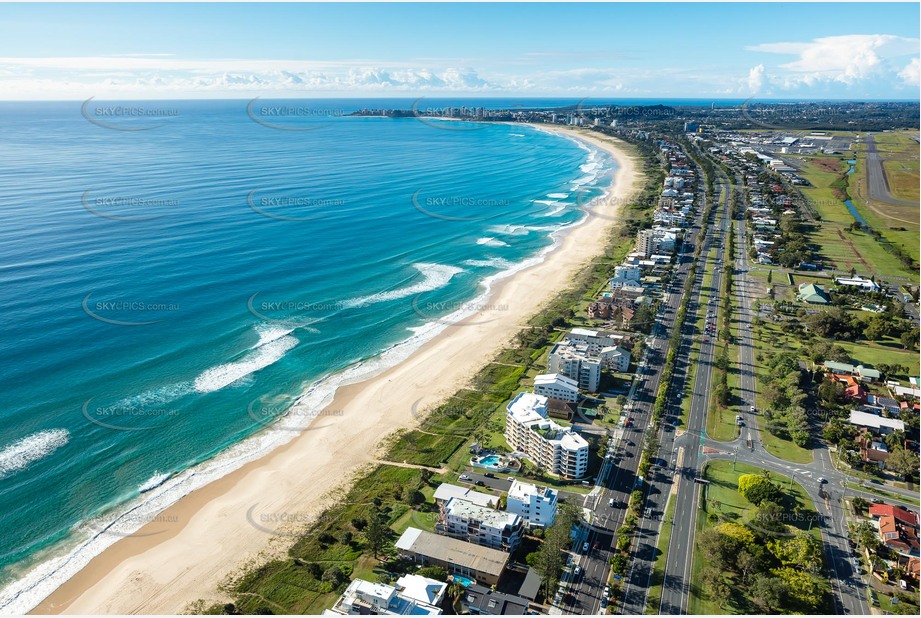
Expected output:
(490, 460)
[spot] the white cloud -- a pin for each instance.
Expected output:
(845, 59)
(911, 74)
(755, 80)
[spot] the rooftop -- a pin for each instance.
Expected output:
(461, 553)
(866, 419)
(446, 491)
(522, 491)
(491, 517)
(555, 378)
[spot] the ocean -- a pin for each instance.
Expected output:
(185, 284)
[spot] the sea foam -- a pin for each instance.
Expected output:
(18, 455)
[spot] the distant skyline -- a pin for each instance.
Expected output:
(661, 50)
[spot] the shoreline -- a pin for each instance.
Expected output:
(164, 572)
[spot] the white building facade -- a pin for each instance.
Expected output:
(536, 505)
(558, 450)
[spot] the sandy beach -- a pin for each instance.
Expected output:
(213, 536)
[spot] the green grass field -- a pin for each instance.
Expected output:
(722, 492)
(654, 597)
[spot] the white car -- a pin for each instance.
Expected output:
(510, 479)
(585, 547)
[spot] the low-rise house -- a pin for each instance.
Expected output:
(482, 525)
(412, 595)
(482, 564)
(536, 505)
(556, 386)
(902, 515)
(898, 536)
(875, 423)
(812, 294)
(865, 285)
(873, 451)
(486, 602)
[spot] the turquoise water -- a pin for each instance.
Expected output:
(169, 293)
(491, 460)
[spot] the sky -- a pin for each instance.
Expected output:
(619, 50)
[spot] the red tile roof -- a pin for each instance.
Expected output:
(889, 510)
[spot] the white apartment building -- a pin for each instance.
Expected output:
(481, 525)
(536, 505)
(575, 361)
(595, 339)
(412, 595)
(556, 386)
(625, 274)
(558, 450)
(656, 240)
(615, 358)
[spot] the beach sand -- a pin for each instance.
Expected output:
(213, 536)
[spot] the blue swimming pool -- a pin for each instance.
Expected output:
(490, 460)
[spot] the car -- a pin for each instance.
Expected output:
(738, 417)
(675, 422)
(490, 475)
(705, 340)
(648, 512)
(752, 409)
(577, 572)
(464, 477)
(510, 479)
(596, 545)
(585, 547)
(822, 480)
(481, 484)
(604, 602)
(876, 501)
(611, 503)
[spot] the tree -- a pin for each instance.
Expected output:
(803, 588)
(757, 489)
(433, 572)
(831, 392)
(769, 517)
(745, 563)
(860, 505)
(803, 551)
(333, 576)
(909, 339)
(904, 462)
(346, 538)
(375, 532)
(767, 592)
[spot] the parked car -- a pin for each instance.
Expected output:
(577, 572)
(510, 479)
(464, 477)
(585, 547)
(611, 503)
(822, 480)
(490, 475)
(481, 484)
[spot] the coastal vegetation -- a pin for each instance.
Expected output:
(356, 533)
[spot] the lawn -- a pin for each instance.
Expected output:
(883, 493)
(722, 495)
(903, 179)
(654, 596)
